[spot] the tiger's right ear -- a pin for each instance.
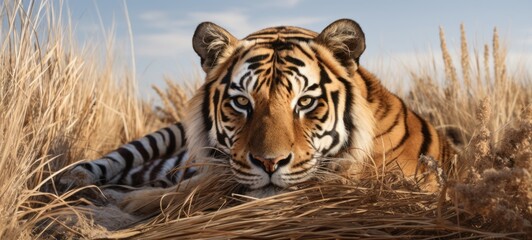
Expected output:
(345, 39)
(210, 41)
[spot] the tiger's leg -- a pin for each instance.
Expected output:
(116, 165)
(151, 200)
(161, 172)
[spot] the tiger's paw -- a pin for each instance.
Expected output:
(78, 176)
(145, 201)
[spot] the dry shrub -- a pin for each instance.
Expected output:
(59, 105)
(174, 100)
(498, 184)
(493, 116)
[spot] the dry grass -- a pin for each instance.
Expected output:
(61, 103)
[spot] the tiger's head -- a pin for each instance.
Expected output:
(282, 104)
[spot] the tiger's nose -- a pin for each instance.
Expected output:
(270, 165)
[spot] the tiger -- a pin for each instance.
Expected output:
(279, 107)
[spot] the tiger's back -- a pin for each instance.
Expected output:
(401, 135)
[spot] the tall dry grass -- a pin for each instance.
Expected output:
(60, 103)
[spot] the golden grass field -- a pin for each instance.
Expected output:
(61, 103)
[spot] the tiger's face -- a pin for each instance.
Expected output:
(277, 103)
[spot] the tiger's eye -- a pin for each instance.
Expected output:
(305, 101)
(242, 101)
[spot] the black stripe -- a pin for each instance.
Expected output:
(257, 58)
(348, 120)
(162, 135)
(299, 39)
(394, 124)
(128, 158)
(174, 171)
(155, 170)
(260, 37)
(189, 173)
(165, 184)
(333, 133)
(407, 133)
(220, 136)
(386, 108)
(324, 77)
(137, 178)
(227, 78)
(299, 164)
(179, 157)
(171, 147)
(260, 84)
(103, 177)
(297, 173)
(153, 145)
(296, 71)
(266, 72)
(87, 166)
(241, 82)
(427, 137)
(241, 165)
(243, 180)
(254, 66)
(205, 109)
(182, 132)
(369, 85)
(313, 87)
(295, 61)
(236, 86)
(304, 51)
(138, 145)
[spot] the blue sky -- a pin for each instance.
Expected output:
(398, 33)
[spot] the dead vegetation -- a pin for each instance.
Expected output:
(60, 104)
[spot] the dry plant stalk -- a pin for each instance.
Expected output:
(465, 57)
(450, 71)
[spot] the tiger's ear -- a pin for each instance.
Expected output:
(345, 39)
(209, 42)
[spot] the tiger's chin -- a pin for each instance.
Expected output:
(266, 191)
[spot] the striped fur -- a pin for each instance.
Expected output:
(282, 106)
(151, 160)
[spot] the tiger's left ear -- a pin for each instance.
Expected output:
(345, 39)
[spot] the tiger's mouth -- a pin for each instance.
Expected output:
(257, 176)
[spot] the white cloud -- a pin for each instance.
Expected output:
(281, 3)
(165, 44)
(235, 21)
(171, 34)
